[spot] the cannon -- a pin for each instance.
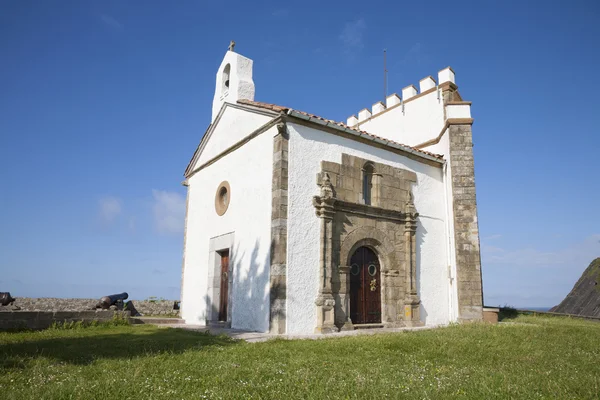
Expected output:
(114, 299)
(6, 299)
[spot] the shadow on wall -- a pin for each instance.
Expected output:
(94, 344)
(248, 297)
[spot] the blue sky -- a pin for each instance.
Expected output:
(103, 103)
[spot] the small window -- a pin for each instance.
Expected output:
(368, 172)
(226, 73)
(222, 198)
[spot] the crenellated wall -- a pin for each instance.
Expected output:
(417, 115)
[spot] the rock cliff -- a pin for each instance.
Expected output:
(584, 298)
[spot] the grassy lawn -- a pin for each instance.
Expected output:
(532, 357)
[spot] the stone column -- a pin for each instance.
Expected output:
(325, 301)
(278, 271)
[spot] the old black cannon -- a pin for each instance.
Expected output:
(6, 298)
(114, 299)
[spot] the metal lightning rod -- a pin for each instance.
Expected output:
(384, 75)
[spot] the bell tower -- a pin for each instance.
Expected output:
(233, 80)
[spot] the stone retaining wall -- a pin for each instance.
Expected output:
(158, 307)
(16, 320)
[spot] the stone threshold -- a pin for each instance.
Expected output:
(368, 326)
(252, 337)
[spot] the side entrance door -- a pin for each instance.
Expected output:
(224, 293)
(365, 287)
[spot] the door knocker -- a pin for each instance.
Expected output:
(372, 269)
(373, 285)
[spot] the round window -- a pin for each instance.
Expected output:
(355, 269)
(372, 269)
(222, 198)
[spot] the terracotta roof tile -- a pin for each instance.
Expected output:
(277, 108)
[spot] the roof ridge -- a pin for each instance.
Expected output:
(275, 107)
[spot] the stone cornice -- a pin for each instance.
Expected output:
(449, 121)
(326, 208)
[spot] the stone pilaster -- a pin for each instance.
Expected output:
(412, 302)
(466, 227)
(278, 272)
(344, 290)
(325, 300)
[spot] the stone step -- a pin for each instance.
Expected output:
(367, 326)
(157, 321)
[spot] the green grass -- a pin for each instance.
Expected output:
(531, 357)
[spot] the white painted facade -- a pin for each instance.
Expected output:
(249, 172)
(412, 122)
(248, 168)
(409, 123)
(308, 147)
(233, 125)
(417, 122)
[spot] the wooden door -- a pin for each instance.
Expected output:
(365, 287)
(224, 285)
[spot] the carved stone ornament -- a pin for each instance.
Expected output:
(326, 187)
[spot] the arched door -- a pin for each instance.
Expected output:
(365, 287)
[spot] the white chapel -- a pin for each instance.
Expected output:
(298, 224)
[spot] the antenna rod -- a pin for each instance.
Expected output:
(384, 75)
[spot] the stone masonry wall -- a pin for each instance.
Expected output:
(158, 307)
(17, 320)
(466, 227)
(387, 225)
(278, 272)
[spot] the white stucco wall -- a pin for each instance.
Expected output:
(249, 173)
(422, 120)
(443, 148)
(235, 124)
(307, 148)
(236, 70)
(458, 111)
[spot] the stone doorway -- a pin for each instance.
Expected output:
(220, 282)
(365, 287)
(385, 224)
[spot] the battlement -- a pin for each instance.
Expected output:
(410, 92)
